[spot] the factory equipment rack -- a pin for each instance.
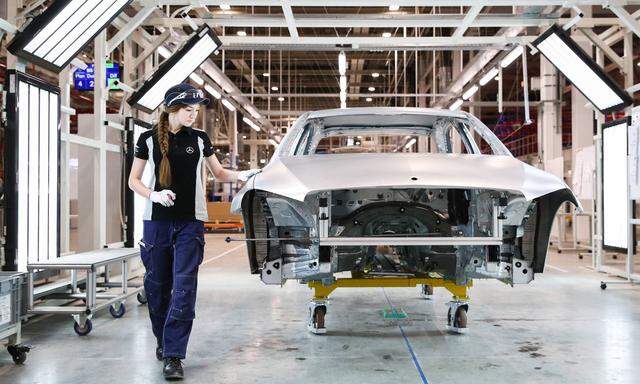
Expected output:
(90, 262)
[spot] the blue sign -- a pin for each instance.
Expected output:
(83, 80)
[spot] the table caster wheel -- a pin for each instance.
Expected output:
(426, 291)
(18, 353)
(83, 331)
(603, 286)
(457, 317)
(142, 298)
(317, 314)
(117, 313)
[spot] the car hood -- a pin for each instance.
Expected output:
(296, 177)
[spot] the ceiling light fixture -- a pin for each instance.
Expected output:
(53, 38)
(228, 104)
(212, 91)
(470, 92)
(488, 76)
(583, 72)
(175, 70)
(511, 56)
(456, 105)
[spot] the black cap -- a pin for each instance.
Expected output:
(185, 94)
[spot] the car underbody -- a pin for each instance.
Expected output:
(456, 234)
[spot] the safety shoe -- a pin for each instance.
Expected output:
(173, 369)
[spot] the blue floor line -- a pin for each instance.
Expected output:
(406, 340)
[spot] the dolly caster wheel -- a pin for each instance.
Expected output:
(18, 353)
(426, 291)
(117, 313)
(83, 331)
(457, 317)
(603, 285)
(142, 298)
(317, 312)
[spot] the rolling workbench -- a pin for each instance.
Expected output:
(89, 262)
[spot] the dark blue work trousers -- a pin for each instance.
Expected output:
(171, 252)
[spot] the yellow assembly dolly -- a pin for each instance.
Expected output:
(458, 306)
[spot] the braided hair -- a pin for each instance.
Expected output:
(163, 140)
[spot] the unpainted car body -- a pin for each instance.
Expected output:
(372, 208)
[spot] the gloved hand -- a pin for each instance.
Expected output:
(245, 175)
(164, 197)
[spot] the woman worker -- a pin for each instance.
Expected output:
(173, 237)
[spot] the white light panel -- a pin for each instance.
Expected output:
(512, 56)
(579, 73)
(228, 104)
(57, 38)
(188, 62)
(342, 63)
(614, 186)
(37, 175)
(212, 91)
(470, 92)
(489, 76)
(456, 104)
(139, 202)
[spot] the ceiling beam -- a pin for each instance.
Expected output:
(333, 43)
(380, 20)
(468, 20)
(383, 3)
(129, 27)
(290, 19)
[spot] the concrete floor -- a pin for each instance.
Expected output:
(560, 329)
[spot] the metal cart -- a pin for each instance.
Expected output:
(94, 300)
(11, 284)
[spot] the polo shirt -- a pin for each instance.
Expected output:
(187, 150)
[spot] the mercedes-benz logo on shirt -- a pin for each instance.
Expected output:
(189, 150)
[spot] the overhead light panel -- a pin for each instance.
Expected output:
(225, 7)
(250, 123)
(489, 76)
(175, 70)
(212, 91)
(368, 99)
(228, 104)
(32, 170)
(274, 88)
(394, 7)
(241, 33)
(410, 143)
(386, 35)
(164, 52)
(197, 79)
(273, 142)
(280, 98)
(456, 104)
(53, 38)
(266, 74)
(512, 56)
(375, 75)
(583, 72)
(371, 89)
(470, 92)
(253, 111)
(342, 63)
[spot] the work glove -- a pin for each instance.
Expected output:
(164, 197)
(246, 175)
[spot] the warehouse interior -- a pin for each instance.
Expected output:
(72, 285)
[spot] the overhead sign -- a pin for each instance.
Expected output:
(84, 80)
